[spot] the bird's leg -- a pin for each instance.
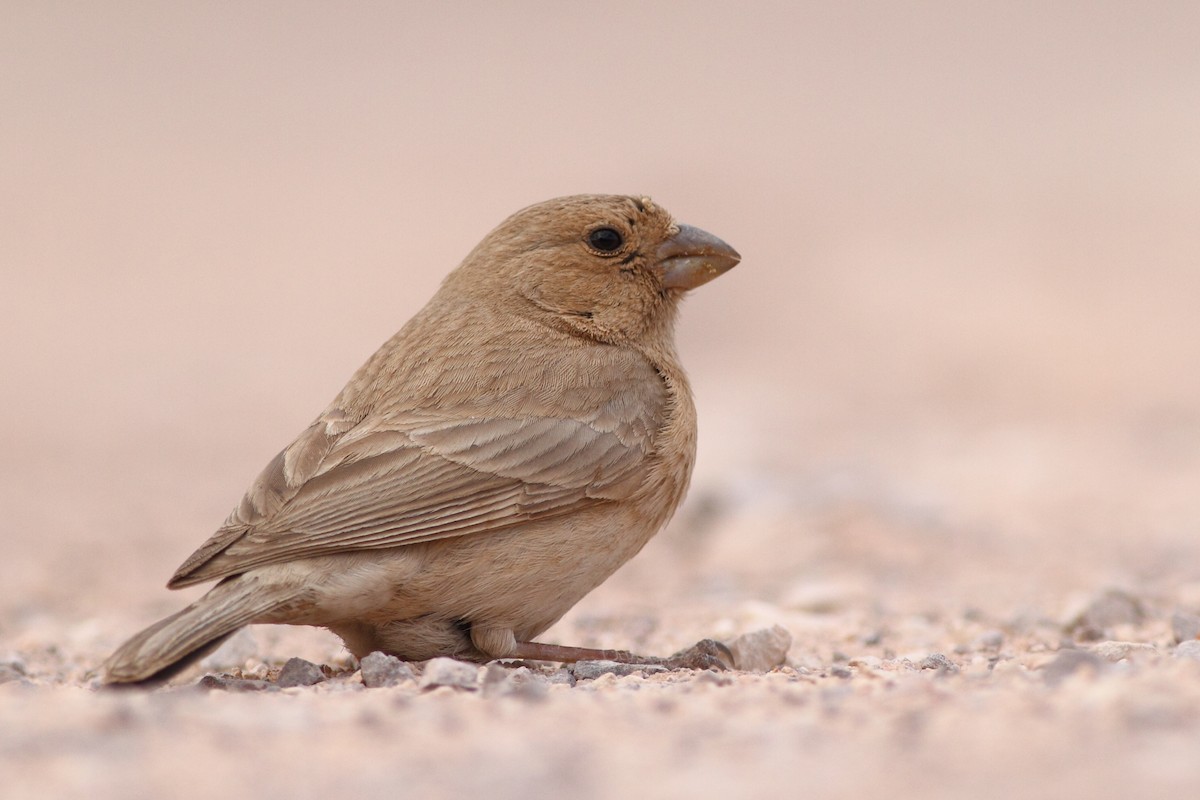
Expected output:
(705, 654)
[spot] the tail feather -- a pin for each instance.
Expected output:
(173, 643)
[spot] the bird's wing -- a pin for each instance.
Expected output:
(344, 486)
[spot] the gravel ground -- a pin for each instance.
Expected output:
(949, 403)
(890, 652)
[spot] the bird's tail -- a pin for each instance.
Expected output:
(178, 641)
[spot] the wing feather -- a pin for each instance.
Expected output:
(340, 488)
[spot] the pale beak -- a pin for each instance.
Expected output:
(693, 257)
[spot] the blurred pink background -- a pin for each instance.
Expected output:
(971, 242)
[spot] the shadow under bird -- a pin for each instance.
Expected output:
(523, 436)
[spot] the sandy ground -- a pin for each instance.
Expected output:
(950, 409)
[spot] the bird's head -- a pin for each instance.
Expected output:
(608, 267)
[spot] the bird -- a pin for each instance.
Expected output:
(524, 435)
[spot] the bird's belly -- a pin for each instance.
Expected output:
(421, 600)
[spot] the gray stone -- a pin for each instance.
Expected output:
(448, 672)
(298, 672)
(1188, 649)
(1185, 626)
(939, 662)
(378, 670)
(563, 675)
(590, 670)
(1119, 651)
(761, 650)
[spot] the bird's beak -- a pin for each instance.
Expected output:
(693, 257)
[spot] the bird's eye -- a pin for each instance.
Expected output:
(606, 240)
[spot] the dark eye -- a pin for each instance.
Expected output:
(606, 240)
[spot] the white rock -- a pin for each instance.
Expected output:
(1188, 649)
(760, 651)
(1118, 651)
(379, 670)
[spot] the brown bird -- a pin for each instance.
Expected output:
(523, 436)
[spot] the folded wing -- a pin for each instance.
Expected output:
(342, 487)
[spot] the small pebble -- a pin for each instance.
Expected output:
(1188, 649)
(379, 670)
(762, 650)
(448, 672)
(606, 682)
(1185, 626)
(590, 670)
(521, 683)
(939, 662)
(298, 672)
(254, 669)
(1117, 651)
(562, 675)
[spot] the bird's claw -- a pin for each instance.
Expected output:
(704, 654)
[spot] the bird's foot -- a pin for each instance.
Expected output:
(705, 654)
